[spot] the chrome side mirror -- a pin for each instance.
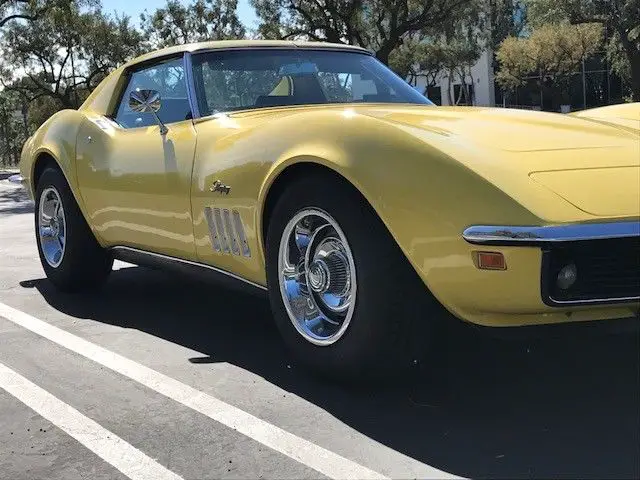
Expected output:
(147, 101)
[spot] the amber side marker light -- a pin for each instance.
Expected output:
(490, 261)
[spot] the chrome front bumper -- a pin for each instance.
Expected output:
(511, 235)
(607, 256)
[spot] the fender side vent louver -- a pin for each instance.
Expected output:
(227, 231)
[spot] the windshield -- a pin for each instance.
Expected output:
(257, 78)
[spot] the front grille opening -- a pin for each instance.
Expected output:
(593, 270)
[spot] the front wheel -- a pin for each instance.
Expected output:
(70, 255)
(344, 297)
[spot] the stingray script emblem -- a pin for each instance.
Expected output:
(220, 187)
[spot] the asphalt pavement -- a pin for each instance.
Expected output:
(160, 376)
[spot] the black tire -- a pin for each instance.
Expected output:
(391, 324)
(85, 265)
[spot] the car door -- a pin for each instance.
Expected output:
(135, 182)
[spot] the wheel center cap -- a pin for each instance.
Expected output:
(319, 276)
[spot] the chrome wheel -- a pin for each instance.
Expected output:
(317, 276)
(52, 227)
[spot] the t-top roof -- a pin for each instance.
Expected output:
(231, 44)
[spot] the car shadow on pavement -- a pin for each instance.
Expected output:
(15, 201)
(558, 407)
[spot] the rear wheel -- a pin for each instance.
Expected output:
(344, 297)
(70, 255)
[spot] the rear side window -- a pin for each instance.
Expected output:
(169, 80)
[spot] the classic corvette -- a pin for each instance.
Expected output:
(312, 172)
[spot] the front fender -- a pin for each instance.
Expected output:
(424, 196)
(56, 138)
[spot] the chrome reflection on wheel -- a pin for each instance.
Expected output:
(317, 276)
(52, 228)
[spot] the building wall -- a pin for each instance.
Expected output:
(483, 83)
(592, 85)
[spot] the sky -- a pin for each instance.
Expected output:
(134, 8)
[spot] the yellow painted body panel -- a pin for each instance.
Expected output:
(429, 172)
(626, 115)
(57, 139)
(135, 184)
(581, 187)
(426, 201)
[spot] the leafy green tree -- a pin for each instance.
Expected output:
(451, 49)
(551, 53)
(620, 19)
(379, 25)
(177, 23)
(429, 60)
(22, 10)
(417, 58)
(13, 128)
(53, 61)
(65, 52)
(504, 18)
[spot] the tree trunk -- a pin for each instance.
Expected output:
(6, 156)
(385, 50)
(634, 59)
(25, 119)
(633, 55)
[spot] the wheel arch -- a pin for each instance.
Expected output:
(287, 173)
(42, 160)
(285, 177)
(54, 145)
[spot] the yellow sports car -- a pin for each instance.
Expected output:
(313, 172)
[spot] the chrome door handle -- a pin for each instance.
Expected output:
(89, 139)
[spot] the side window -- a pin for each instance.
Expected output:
(227, 81)
(354, 87)
(169, 80)
(226, 89)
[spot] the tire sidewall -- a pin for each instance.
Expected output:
(84, 263)
(53, 178)
(363, 342)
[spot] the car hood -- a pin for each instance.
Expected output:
(593, 165)
(625, 115)
(560, 167)
(508, 129)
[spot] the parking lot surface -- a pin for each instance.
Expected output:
(161, 376)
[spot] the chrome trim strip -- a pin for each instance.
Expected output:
(592, 301)
(221, 231)
(235, 248)
(188, 262)
(240, 231)
(293, 46)
(213, 233)
(191, 86)
(541, 235)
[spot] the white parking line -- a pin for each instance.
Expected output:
(318, 458)
(107, 445)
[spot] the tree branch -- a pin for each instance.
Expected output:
(300, 31)
(17, 16)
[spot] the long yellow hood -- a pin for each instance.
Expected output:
(510, 130)
(594, 166)
(625, 115)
